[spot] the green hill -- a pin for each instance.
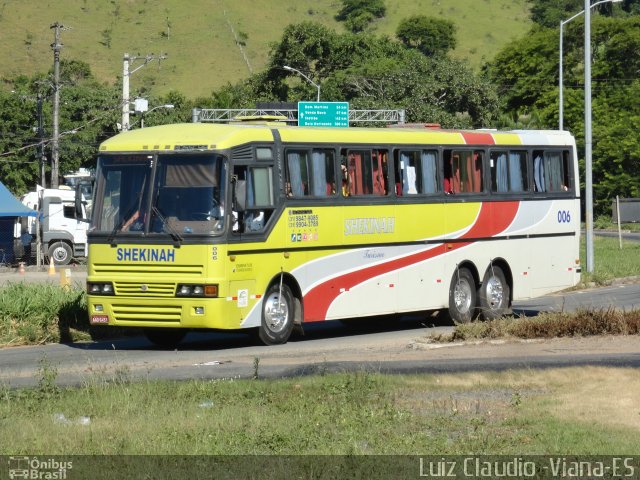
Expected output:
(198, 36)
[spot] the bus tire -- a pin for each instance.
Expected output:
(60, 252)
(277, 315)
(165, 337)
(462, 296)
(494, 295)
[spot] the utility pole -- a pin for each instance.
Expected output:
(125, 93)
(126, 73)
(57, 46)
(41, 156)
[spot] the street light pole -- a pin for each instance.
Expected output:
(291, 69)
(588, 180)
(588, 141)
(168, 105)
(561, 67)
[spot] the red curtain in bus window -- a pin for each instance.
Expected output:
(455, 177)
(477, 172)
(355, 173)
(377, 159)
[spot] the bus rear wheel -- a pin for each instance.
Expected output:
(165, 337)
(462, 296)
(494, 295)
(277, 315)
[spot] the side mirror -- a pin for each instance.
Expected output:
(78, 203)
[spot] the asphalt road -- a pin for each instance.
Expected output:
(388, 345)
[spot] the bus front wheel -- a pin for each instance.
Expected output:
(277, 315)
(462, 296)
(494, 295)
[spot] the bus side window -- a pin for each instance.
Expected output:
(366, 172)
(463, 171)
(508, 171)
(322, 173)
(407, 173)
(259, 202)
(551, 171)
(310, 173)
(297, 184)
(416, 172)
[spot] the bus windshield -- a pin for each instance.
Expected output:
(182, 195)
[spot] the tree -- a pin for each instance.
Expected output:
(549, 13)
(526, 73)
(88, 115)
(358, 14)
(525, 69)
(430, 90)
(432, 36)
(19, 163)
(370, 72)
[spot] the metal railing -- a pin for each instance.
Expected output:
(221, 115)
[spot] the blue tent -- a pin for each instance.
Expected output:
(10, 206)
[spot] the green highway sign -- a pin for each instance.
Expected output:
(323, 114)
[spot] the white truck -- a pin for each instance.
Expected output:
(62, 233)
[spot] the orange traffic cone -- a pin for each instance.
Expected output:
(52, 268)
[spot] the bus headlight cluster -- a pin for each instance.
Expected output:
(100, 288)
(189, 290)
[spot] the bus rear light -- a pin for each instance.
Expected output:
(100, 288)
(188, 290)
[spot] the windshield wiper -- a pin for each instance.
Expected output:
(177, 238)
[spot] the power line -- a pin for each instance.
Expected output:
(66, 133)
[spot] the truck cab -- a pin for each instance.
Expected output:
(63, 233)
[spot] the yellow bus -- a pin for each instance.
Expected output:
(266, 226)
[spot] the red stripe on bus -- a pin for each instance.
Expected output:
(493, 219)
(473, 138)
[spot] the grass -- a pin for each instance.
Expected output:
(41, 313)
(605, 223)
(551, 325)
(516, 412)
(610, 261)
(202, 54)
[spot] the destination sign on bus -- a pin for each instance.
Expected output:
(323, 114)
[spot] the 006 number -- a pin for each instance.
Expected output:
(564, 216)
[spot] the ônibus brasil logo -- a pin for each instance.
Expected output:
(38, 469)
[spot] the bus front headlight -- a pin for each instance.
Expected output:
(100, 288)
(197, 290)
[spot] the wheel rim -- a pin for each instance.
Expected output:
(59, 254)
(276, 313)
(462, 296)
(495, 292)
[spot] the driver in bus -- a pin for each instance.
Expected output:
(135, 223)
